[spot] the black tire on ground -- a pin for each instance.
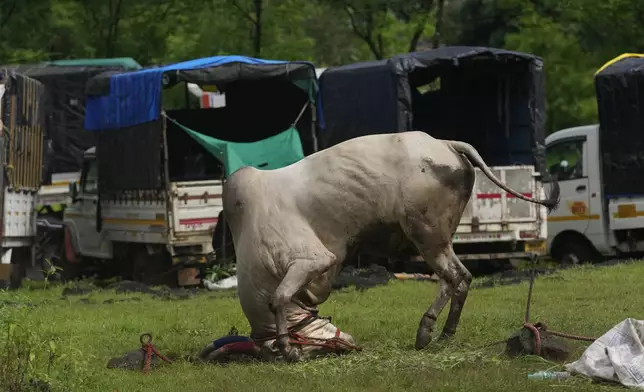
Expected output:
(574, 251)
(17, 275)
(69, 271)
(485, 267)
(21, 259)
(153, 269)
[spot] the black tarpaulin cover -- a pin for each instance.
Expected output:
(619, 86)
(489, 97)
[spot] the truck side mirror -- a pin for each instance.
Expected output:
(73, 190)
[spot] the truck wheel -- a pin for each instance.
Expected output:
(69, 271)
(154, 270)
(574, 252)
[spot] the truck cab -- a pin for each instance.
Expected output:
(578, 230)
(81, 215)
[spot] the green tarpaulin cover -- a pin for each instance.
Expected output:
(127, 63)
(274, 152)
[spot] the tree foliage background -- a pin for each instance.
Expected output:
(574, 37)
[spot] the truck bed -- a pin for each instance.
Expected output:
(494, 216)
(20, 218)
(196, 207)
(187, 221)
(58, 191)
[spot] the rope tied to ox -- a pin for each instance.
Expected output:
(539, 327)
(332, 344)
(148, 348)
(295, 338)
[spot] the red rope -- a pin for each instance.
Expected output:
(331, 344)
(544, 327)
(536, 328)
(537, 337)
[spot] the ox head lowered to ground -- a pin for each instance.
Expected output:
(292, 226)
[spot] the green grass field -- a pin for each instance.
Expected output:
(84, 333)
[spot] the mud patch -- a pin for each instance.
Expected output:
(516, 276)
(114, 301)
(510, 277)
(553, 348)
(373, 276)
(4, 303)
(76, 291)
(128, 287)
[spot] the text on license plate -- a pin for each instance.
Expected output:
(538, 247)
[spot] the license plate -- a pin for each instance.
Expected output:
(536, 247)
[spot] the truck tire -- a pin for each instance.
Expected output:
(574, 252)
(69, 271)
(153, 270)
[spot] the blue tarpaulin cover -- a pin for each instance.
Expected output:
(135, 97)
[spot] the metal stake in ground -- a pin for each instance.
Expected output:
(545, 342)
(148, 348)
(533, 275)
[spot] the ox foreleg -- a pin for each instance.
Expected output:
(299, 274)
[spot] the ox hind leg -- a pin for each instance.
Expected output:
(435, 245)
(299, 274)
(458, 298)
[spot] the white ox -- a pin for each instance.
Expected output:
(292, 226)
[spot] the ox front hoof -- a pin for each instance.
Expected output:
(291, 354)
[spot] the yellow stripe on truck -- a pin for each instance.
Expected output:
(572, 218)
(622, 215)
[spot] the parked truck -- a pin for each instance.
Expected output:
(21, 146)
(149, 194)
(492, 99)
(599, 167)
(134, 231)
(65, 140)
(585, 225)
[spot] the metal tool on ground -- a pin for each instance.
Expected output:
(148, 348)
(144, 358)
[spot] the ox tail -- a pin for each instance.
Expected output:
(551, 202)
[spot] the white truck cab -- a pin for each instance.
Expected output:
(583, 228)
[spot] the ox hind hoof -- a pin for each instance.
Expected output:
(424, 332)
(423, 338)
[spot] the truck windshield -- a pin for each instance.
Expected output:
(90, 185)
(565, 161)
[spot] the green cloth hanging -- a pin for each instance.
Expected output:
(274, 152)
